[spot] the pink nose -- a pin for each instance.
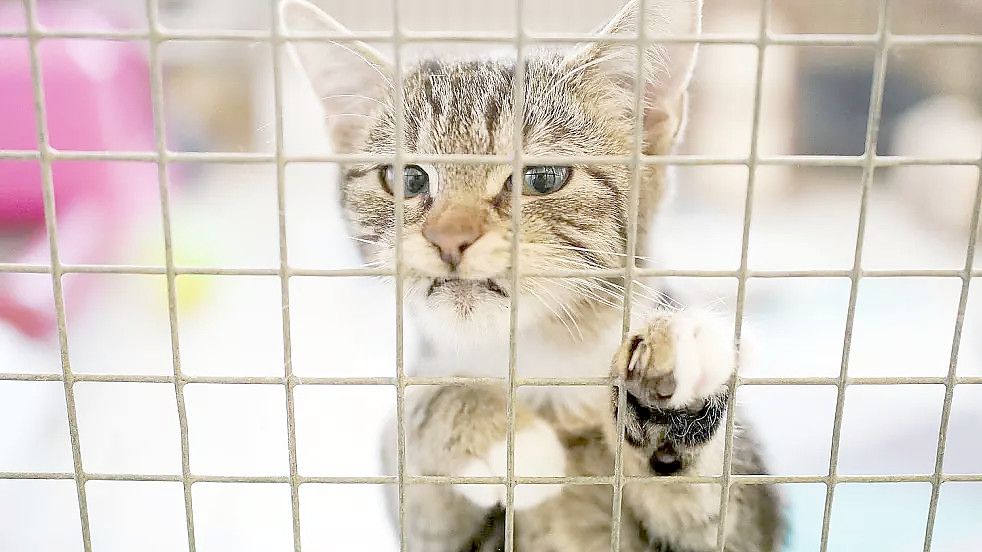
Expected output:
(452, 231)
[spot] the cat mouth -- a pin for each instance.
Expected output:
(461, 285)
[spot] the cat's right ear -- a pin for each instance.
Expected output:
(612, 67)
(350, 78)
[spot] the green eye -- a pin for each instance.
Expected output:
(545, 180)
(415, 180)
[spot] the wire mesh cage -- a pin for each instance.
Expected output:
(765, 160)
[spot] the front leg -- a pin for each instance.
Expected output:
(461, 431)
(676, 371)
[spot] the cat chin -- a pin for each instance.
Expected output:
(469, 311)
(461, 303)
(445, 320)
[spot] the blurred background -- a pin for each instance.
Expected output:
(218, 97)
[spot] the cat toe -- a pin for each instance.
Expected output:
(677, 359)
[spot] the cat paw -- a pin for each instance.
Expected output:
(538, 453)
(677, 360)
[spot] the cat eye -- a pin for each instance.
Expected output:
(415, 180)
(543, 180)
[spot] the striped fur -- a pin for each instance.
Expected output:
(576, 103)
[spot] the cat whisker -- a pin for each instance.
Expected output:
(582, 67)
(668, 299)
(565, 309)
(659, 299)
(659, 296)
(616, 292)
(574, 264)
(584, 291)
(552, 310)
(618, 295)
(717, 302)
(373, 264)
(363, 240)
(374, 67)
(599, 252)
(362, 115)
(359, 96)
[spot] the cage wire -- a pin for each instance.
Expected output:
(156, 34)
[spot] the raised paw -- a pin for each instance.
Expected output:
(677, 360)
(675, 371)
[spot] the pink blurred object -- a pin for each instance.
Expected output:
(97, 97)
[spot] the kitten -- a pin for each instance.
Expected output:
(457, 253)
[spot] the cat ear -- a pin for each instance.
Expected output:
(351, 79)
(667, 66)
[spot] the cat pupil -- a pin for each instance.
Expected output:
(415, 180)
(545, 180)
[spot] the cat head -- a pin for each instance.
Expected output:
(456, 236)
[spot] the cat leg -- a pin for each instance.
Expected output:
(676, 370)
(461, 430)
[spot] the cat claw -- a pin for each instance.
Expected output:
(677, 359)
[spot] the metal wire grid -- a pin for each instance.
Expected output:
(882, 40)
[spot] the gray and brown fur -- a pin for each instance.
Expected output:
(448, 425)
(576, 103)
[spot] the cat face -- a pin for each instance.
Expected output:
(457, 232)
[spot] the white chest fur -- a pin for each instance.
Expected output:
(459, 351)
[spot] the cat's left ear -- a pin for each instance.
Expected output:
(667, 66)
(350, 78)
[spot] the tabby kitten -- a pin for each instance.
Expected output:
(456, 251)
